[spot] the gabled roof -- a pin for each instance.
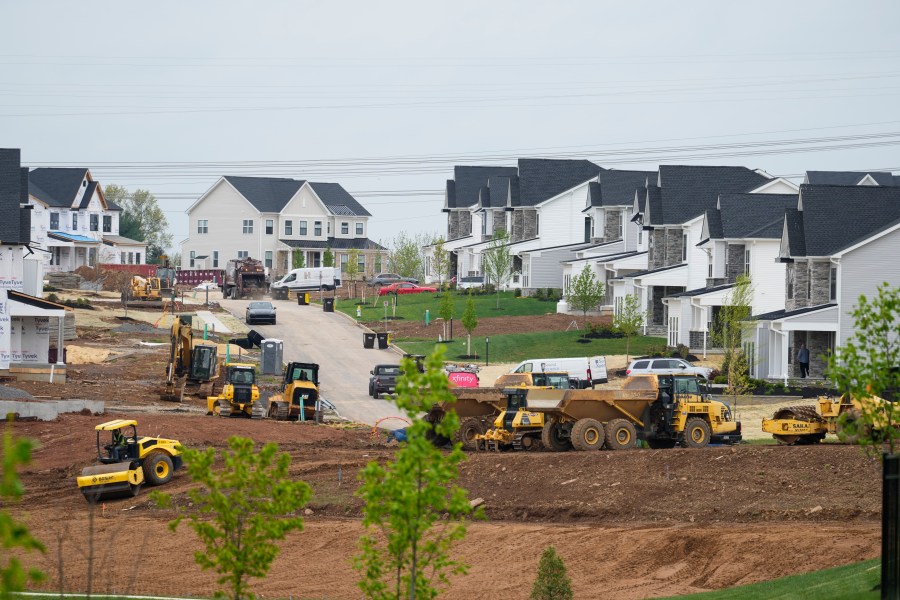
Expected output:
(499, 191)
(688, 190)
(848, 177)
(712, 227)
(793, 229)
(617, 187)
(836, 217)
(119, 240)
(753, 215)
(57, 187)
(462, 190)
(266, 194)
(653, 205)
(338, 201)
(88, 194)
(541, 178)
(335, 244)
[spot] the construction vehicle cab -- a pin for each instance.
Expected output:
(240, 394)
(299, 399)
(196, 363)
(127, 461)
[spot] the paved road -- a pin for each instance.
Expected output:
(335, 342)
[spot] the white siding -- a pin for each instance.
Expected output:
(561, 219)
(861, 272)
(696, 257)
(767, 276)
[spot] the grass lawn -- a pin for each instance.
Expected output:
(520, 346)
(845, 583)
(412, 307)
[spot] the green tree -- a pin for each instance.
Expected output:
(585, 292)
(297, 259)
(629, 320)
(328, 257)
(13, 534)
(446, 310)
(406, 255)
(732, 326)
(414, 511)
(551, 583)
(440, 260)
(496, 262)
(240, 511)
(469, 322)
(141, 219)
(352, 268)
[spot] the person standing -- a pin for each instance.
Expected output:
(803, 359)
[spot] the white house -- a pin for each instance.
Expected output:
(270, 218)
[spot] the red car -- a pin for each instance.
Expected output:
(404, 287)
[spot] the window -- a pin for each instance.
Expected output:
(248, 225)
(215, 259)
(709, 265)
(243, 254)
(54, 221)
(329, 227)
(746, 262)
(640, 236)
(359, 229)
(288, 227)
(74, 221)
(345, 228)
(537, 223)
(137, 258)
(317, 228)
(833, 284)
(622, 225)
(270, 226)
(107, 224)
(484, 224)
(302, 225)
(641, 364)
(684, 243)
(95, 222)
(268, 259)
(343, 260)
(790, 281)
(124, 259)
(809, 281)
(203, 226)
(193, 257)
(361, 263)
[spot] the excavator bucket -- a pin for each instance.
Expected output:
(117, 480)
(173, 393)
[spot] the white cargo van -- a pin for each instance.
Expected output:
(309, 279)
(584, 370)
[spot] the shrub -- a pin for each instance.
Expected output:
(517, 293)
(720, 379)
(657, 350)
(683, 351)
(538, 294)
(53, 298)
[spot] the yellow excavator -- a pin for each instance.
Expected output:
(240, 394)
(192, 364)
(128, 462)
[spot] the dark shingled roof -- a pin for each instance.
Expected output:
(653, 205)
(112, 205)
(617, 187)
(688, 191)
(594, 197)
(793, 223)
(657, 270)
(266, 194)
(847, 177)
(714, 224)
(541, 178)
(336, 244)
(88, 194)
(499, 191)
(335, 197)
(701, 291)
(467, 180)
(837, 217)
(754, 215)
(58, 187)
(781, 314)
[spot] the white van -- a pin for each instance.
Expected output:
(586, 370)
(309, 279)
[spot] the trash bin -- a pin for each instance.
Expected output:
(279, 293)
(302, 298)
(368, 340)
(384, 340)
(271, 359)
(328, 304)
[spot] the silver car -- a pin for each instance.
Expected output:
(665, 366)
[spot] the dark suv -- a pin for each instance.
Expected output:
(389, 278)
(383, 380)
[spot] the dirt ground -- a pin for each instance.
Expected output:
(633, 524)
(492, 325)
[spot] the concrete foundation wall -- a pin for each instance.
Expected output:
(48, 411)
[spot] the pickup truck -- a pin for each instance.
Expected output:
(388, 279)
(383, 380)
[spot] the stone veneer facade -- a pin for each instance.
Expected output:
(613, 228)
(665, 248)
(735, 265)
(812, 283)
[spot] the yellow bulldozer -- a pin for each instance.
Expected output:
(127, 462)
(193, 364)
(240, 394)
(809, 424)
(299, 399)
(144, 292)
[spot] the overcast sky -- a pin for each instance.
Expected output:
(385, 97)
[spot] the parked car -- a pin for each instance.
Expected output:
(665, 366)
(383, 380)
(465, 283)
(260, 312)
(404, 288)
(388, 279)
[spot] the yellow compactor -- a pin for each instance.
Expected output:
(809, 424)
(127, 462)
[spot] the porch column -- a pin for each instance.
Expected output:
(784, 356)
(60, 350)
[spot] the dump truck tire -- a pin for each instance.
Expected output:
(696, 433)
(587, 434)
(620, 434)
(551, 438)
(158, 468)
(468, 429)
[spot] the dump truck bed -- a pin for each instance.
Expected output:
(601, 404)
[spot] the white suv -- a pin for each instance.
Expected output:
(665, 366)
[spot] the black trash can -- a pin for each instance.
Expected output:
(280, 293)
(384, 340)
(328, 304)
(302, 298)
(368, 340)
